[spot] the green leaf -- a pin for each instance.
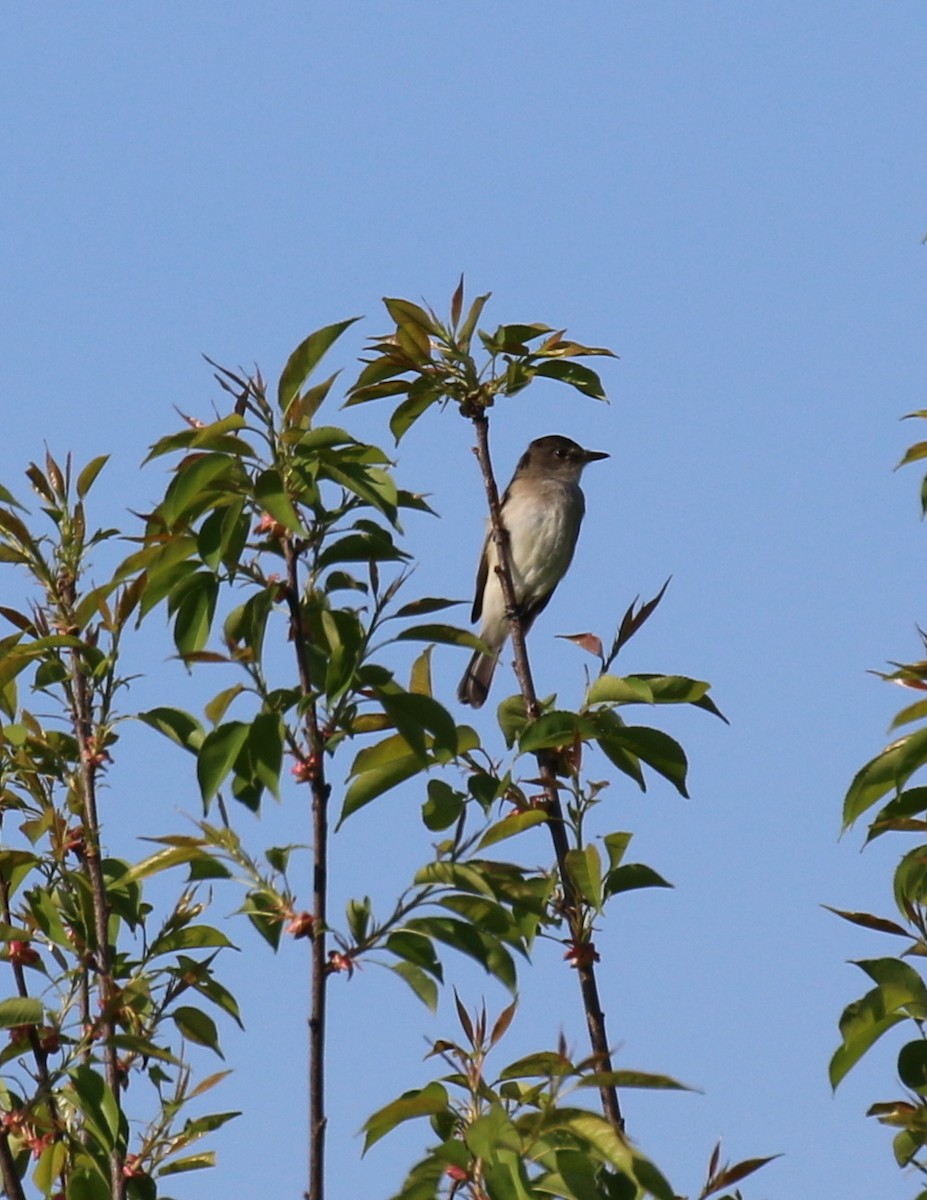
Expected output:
(405, 415)
(585, 871)
(553, 730)
(217, 754)
(466, 331)
(20, 1010)
(615, 846)
(899, 984)
(631, 876)
(191, 1162)
(426, 604)
(912, 1066)
(633, 1079)
(584, 379)
(512, 717)
(420, 674)
(404, 312)
(361, 547)
(197, 1026)
(609, 1145)
(265, 751)
(423, 1102)
(218, 706)
(544, 1064)
(191, 937)
(448, 635)
(414, 714)
(913, 454)
(304, 407)
(417, 949)
(862, 1023)
(888, 771)
(99, 1108)
(651, 746)
(424, 987)
(195, 480)
(376, 391)
(377, 769)
(443, 806)
(89, 473)
(511, 825)
(616, 689)
(271, 495)
(475, 943)
(195, 613)
(304, 359)
(907, 804)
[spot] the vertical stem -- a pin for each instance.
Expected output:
(38, 1054)
(81, 704)
(320, 795)
(12, 1188)
(585, 969)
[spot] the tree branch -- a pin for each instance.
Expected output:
(572, 904)
(315, 776)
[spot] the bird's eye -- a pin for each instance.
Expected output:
(560, 452)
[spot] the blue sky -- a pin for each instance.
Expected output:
(730, 195)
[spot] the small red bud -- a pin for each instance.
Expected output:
(270, 527)
(21, 953)
(340, 962)
(302, 925)
(581, 954)
(49, 1039)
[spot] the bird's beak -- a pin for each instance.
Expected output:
(593, 455)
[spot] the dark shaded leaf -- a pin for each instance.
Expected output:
(868, 921)
(584, 379)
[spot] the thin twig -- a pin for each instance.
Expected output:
(585, 969)
(81, 705)
(320, 794)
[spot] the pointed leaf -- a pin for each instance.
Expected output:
(304, 359)
(424, 1102)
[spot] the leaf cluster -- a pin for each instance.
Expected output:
(899, 994)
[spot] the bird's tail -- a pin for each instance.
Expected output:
(474, 687)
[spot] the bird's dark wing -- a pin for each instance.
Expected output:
(529, 614)
(481, 576)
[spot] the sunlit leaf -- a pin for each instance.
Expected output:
(20, 1010)
(197, 1026)
(89, 473)
(511, 825)
(304, 359)
(888, 771)
(176, 724)
(423, 1102)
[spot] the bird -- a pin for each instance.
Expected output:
(542, 510)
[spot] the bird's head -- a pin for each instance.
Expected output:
(558, 456)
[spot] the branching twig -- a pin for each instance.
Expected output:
(585, 968)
